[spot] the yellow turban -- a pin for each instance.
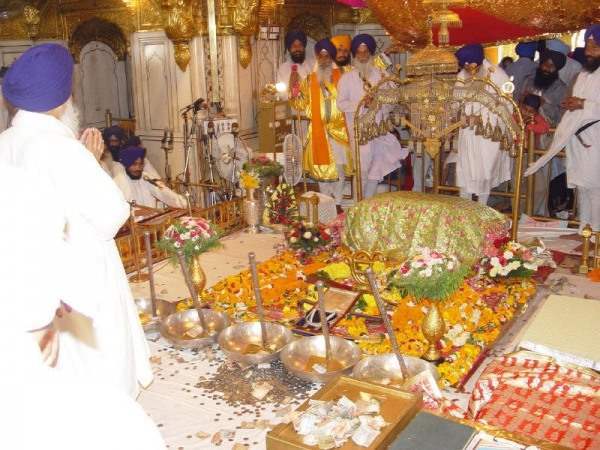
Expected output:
(341, 41)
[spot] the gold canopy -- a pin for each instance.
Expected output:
(405, 20)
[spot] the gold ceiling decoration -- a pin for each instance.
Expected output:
(405, 19)
(99, 30)
(180, 28)
(245, 24)
(31, 17)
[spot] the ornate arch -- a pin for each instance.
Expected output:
(100, 30)
(312, 25)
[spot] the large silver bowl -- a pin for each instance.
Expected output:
(236, 339)
(385, 369)
(175, 326)
(144, 307)
(295, 357)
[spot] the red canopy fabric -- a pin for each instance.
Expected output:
(480, 27)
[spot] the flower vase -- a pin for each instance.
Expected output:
(197, 274)
(433, 328)
(251, 212)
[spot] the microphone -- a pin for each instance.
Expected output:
(153, 181)
(197, 105)
(235, 128)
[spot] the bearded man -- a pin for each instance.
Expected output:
(101, 339)
(342, 44)
(383, 154)
(547, 84)
(136, 185)
(572, 67)
(523, 67)
(579, 131)
(326, 152)
(480, 164)
(293, 71)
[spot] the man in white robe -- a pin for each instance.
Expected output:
(295, 69)
(101, 338)
(44, 407)
(480, 165)
(139, 186)
(383, 154)
(579, 131)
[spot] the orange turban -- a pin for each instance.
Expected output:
(341, 41)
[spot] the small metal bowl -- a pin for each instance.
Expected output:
(378, 368)
(295, 356)
(235, 339)
(144, 306)
(175, 326)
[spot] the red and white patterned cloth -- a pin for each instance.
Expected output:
(531, 395)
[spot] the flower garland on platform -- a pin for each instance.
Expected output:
(281, 205)
(475, 313)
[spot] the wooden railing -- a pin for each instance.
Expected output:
(226, 215)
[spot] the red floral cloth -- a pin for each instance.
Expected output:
(530, 395)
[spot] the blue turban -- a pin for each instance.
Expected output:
(558, 46)
(579, 55)
(327, 45)
(526, 49)
(128, 155)
(116, 131)
(472, 53)
(557, 58)
(40, 79)
(295, 35)
(366, 39)
(594, 33)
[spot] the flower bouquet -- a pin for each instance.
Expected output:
(264, 167)
(191, 235)
(428, 275)
(506, 258)
(249, 180)
(281, 205)
(307, 237)
(434, 276)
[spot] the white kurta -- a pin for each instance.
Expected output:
(583, 164)
(285, 69)
(481, 165)
(103, 338)
(146, 194)
(381, 155)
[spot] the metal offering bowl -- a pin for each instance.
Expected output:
(386, 367)
(175, 327)
(144, 306)
(295, 357)
(234, 341)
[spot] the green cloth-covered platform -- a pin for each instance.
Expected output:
(398, 223)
